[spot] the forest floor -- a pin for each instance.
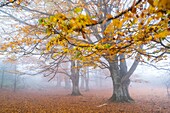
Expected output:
(94, 101)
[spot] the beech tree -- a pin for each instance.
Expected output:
(90, 30)
(117, 37)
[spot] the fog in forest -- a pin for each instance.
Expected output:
(84, 56)
(25, 77)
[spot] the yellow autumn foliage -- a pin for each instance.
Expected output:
(163, 4)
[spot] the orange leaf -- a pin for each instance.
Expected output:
(109, 16)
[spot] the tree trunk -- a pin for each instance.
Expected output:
(97, 79)
(58, 81)
(75, 78)
(120, 91)
(75, 88)
(167, 89)
(120, 77)
(67, 83)
(15, 82)
(82, 82)
(87, 84)
(87, 80)
(2, 79)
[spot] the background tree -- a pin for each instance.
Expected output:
(167, 84)
(85, 78)
(2, 78)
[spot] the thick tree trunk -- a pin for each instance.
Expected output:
(120, 78)
(75, 79)
(120, 91)
(75, 86)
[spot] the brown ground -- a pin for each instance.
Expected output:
(146, 101)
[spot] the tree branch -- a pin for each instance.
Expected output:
(2, 4)
(119, 15)
(10, 15)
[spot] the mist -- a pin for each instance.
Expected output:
(146, 77)
(84, 56)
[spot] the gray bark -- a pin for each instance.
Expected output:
(132, 68)
(75, 79)
(75, 87)
(120, 90)
(2, 79)
(118, 72)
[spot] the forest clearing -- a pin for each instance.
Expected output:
(94, 101)
(84, 56)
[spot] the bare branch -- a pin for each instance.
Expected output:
(2, 4)
(20, 21)
(119, 15)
